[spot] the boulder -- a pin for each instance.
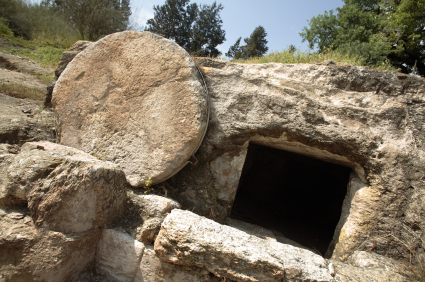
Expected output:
(66, 58)
(141, 106)
(152, 269)
(153, 209)
(28, 253)
(189, 239)
(67, 190)
(118, 256)
(356, 117)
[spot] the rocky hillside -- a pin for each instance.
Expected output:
(271, 172)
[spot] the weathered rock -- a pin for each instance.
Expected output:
(251, 229)
(67, 190)
(263, 233)
(364, 260)
(118, 256)
(28, 253)
(368, 120)
(26, 80)
(66, 58)
(17, 127)
(154, 270)
(153, 209)
(188, 239)
(141, 106)
(348, 273)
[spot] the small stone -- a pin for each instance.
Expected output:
(16, 215)
(26, 110)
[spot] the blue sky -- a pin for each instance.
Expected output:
(283, 20)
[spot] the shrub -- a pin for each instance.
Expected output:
(5, 31)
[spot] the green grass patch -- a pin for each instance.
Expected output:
(45, 52)
(47, 56)
(297, 56)
(22, 92)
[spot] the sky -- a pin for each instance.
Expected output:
(283, 20)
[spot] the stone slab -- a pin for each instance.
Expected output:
(136, 99)
(189, 239)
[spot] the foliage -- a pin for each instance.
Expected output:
(206, 33)
(198, 29)
(31, 20)
(291, 55)
(235, 50)
(376, 30)
(147, 187)
(93, 19)
(404, 31)
(255, 45)
(4, 28)
(20, 91)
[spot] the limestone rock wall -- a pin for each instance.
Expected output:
(368, 120)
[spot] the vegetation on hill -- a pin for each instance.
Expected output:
(385, 35)
(292, 55)
(378, 31)
(77, 19)
(198, 29)
(46, 52)
(93, 19)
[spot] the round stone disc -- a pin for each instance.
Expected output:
(135, 99)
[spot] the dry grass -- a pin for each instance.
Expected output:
(297, 56)
(45, 78)
(22, 92)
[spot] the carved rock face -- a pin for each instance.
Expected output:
(367, 120)
(137, 100)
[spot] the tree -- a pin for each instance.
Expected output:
(376, 30)
(235, 50)
(18, 16)
(255, 45)
(93, 19)
(404, 32)
(174, 20)
(206, 33)
(198, 29)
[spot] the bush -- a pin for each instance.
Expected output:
(5, 31)
(31, 20)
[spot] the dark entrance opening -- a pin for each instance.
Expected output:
(298, 196)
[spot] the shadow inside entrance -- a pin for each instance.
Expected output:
(298, 196)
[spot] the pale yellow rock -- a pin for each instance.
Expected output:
(136, 99)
